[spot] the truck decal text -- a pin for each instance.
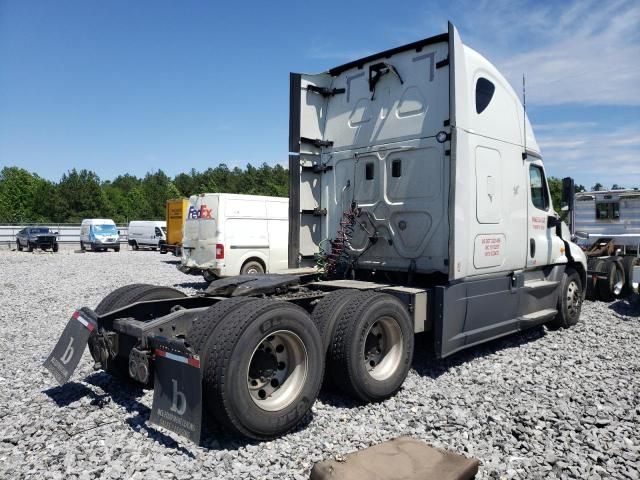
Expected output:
(202, 212)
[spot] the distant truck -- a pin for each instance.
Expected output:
(37, 237)
(99, 234)
(175, 217)
(607, 225)
(146, 234)
(228, 234)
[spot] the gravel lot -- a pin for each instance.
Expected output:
(543, 404)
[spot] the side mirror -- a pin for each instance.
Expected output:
(118, 232)
(568, 192)
(553, 222)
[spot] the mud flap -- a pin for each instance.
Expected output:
(177, 391)
(66, 355)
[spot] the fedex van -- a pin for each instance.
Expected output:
(98, 234)
(228, 234)
(147, 233)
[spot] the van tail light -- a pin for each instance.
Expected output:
(219, 251)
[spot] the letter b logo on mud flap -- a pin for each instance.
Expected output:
(179, 401)
(68, 353)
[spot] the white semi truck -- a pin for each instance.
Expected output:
(418, 204)
(607, 225)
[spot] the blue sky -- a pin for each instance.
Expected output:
(122, 86)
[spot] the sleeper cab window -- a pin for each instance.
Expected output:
(538, 188)
(484, 94)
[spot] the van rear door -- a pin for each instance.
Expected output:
(201, 232)
(245, 232)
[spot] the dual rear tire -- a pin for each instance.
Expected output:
(263, 364)
(369, 343)
(263, 360)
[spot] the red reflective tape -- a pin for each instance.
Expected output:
(90, 326)
(194, 362)
(75, 315)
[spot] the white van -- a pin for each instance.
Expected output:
(228, 234)
(147, 233)
(99, 234)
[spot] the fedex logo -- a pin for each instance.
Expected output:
(202, 212)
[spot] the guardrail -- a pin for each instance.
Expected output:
(67, 232)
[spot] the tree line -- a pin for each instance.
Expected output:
(28, 198)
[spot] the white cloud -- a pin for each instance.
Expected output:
(587, 54)
(581, 52)
(605, 156)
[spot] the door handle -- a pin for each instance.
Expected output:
(532, 247)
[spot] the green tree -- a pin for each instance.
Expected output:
(83, 196)
(597, 187)
(555, 190)
(18, 195)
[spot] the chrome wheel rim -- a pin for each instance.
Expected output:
(617, 287)
(574, 298)
(383, 348)
(277, 370)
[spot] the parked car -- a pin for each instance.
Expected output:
(147, 233)
(99, 234)
(37, 237)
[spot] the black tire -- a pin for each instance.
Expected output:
(82, 247)
(135, 245)
(18, 245)
(611, 287)
(596, 265)
(569, 300)
(208, 276)
(55, 247)
(29, 247)
(203, 327)
(252, 267)
(628, 263)
(352, 346)
(117, 249)
(328, 310)
(136, 292)
(122, 297)
(231, 369)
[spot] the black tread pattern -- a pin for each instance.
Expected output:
(605, 286)
(113, 300)
(338, 354)
(219, 353)
(562, 319)
(628, 262)
(203, 326)
(327, 310)
(592, 289)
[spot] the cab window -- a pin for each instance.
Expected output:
(608, 210)
(539, 195)
(158, 232)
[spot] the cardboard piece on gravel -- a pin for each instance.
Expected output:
(401, 458)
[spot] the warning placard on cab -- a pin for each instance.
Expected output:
(66, 355)
(177, 395)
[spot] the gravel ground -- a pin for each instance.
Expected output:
(543, 404)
